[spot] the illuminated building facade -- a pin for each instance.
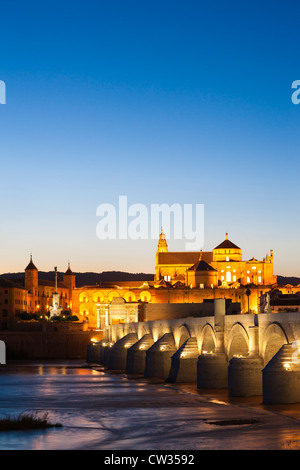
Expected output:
(40, 292)
(221, 267)
(180, 278)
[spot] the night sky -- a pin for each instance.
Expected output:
(165, 101)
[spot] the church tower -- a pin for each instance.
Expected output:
(161, 248)
(32, 285)
(31, 278)
(162, 243)
(70, 281)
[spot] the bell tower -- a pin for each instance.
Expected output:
(162, 243)
(161, 248)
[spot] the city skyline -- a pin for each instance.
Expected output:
(164, 103)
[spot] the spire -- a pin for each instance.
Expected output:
(30, 265)
(226, 236)
(162, 235)
(162, 243)
(68, 271)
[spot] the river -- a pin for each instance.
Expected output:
(100, 410)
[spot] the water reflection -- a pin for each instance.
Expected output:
(103, 411)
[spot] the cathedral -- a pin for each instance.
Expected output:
(223, 266)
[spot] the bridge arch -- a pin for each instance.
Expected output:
(129, 328)
(118, 333)
(206, 339)
(274, 337)
(238, 341)
(181, 335)
(159, 330)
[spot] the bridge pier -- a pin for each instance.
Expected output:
(212, 371)
(93, 353)
(136, 355)
(245, 376)
(212, 368)
(158, 357)
(118, 352)
(184, 363)
(281, 377)
(245, 373)
(104, 352)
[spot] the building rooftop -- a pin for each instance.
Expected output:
(227, 244)
(184, 257)
(6, 283)
(30, 265)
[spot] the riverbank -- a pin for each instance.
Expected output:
(105, 411)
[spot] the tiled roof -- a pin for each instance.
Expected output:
(183, 257)
(6, 283)
(227, 244)
(30, 265)
(201, 265)
(46, 283)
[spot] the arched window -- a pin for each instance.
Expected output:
(228, 276)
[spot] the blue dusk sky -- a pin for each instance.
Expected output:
(165, 101)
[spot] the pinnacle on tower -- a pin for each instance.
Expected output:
(30, 265)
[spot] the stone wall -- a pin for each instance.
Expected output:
(55, 342)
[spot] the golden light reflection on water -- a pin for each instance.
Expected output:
(99, 410)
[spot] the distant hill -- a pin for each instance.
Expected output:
(294, 281)
(92, 279)
(88, 279)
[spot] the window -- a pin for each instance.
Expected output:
(248, 280)
(227, 258)
(228, 276)
(222, 278)
(201, 286)
(167, 278)
(259, 278)
(234, 278)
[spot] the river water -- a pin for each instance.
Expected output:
(100, 410)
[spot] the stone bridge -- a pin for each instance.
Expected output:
(250, 354)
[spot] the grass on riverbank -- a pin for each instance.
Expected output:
(26, 421)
